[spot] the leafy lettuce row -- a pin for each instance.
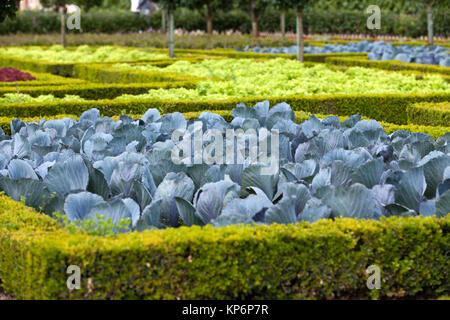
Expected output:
(281, 77)
(97, 166)
(85, 53)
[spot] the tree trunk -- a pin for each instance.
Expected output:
(209, 18)
(255, 31)
(430, 23)
(171, 35)
(300, 44)
(283, 23)
(63, 26)
(163, 21)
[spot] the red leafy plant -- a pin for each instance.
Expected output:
(11, 75)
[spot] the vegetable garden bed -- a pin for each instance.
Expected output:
(291, 235)
(387, 65)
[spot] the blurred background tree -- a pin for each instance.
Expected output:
(60, 5)
(86, 5)
(339, 17)
(8, 8)
(210, 7)
(256, 9)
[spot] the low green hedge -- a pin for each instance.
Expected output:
(434, 131)
(382, 107)
(95, 91)
(387, 65)
(429, 113)
(61, 69)
(327, 259)
(42, 79)
(106, 74)
(89, 71)
(230, 53)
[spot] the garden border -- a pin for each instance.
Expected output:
(382, 107)
(391, 65)
(427, 113)
(323, 260)
(95, 91)
(50, 80)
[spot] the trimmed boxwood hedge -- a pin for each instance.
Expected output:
(382, 107)
(42, 79)
(327, 259)
(68, 69)
(106, 74)
(95, 91)
(391, 65)
(429, 113)
(309, 57)
(61, 69)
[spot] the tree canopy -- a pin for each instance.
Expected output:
(8, 8)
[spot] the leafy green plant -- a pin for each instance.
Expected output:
(98, 226)
(26, 98)
(103, 171)
(282, 77)
(58, 54)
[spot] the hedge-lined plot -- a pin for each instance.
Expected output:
(326, 259)
(429, 113)
(148, 143)
(114, 74)
(42, 79)
(276, 77)
(95, 91)
(382, 107)
(59, 61)
(387, 65)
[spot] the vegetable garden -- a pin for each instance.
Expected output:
(87, 174)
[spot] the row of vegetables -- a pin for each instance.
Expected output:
(378, 50)
(97, 168)
(275, 77)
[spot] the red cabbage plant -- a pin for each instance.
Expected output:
(11, 75)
